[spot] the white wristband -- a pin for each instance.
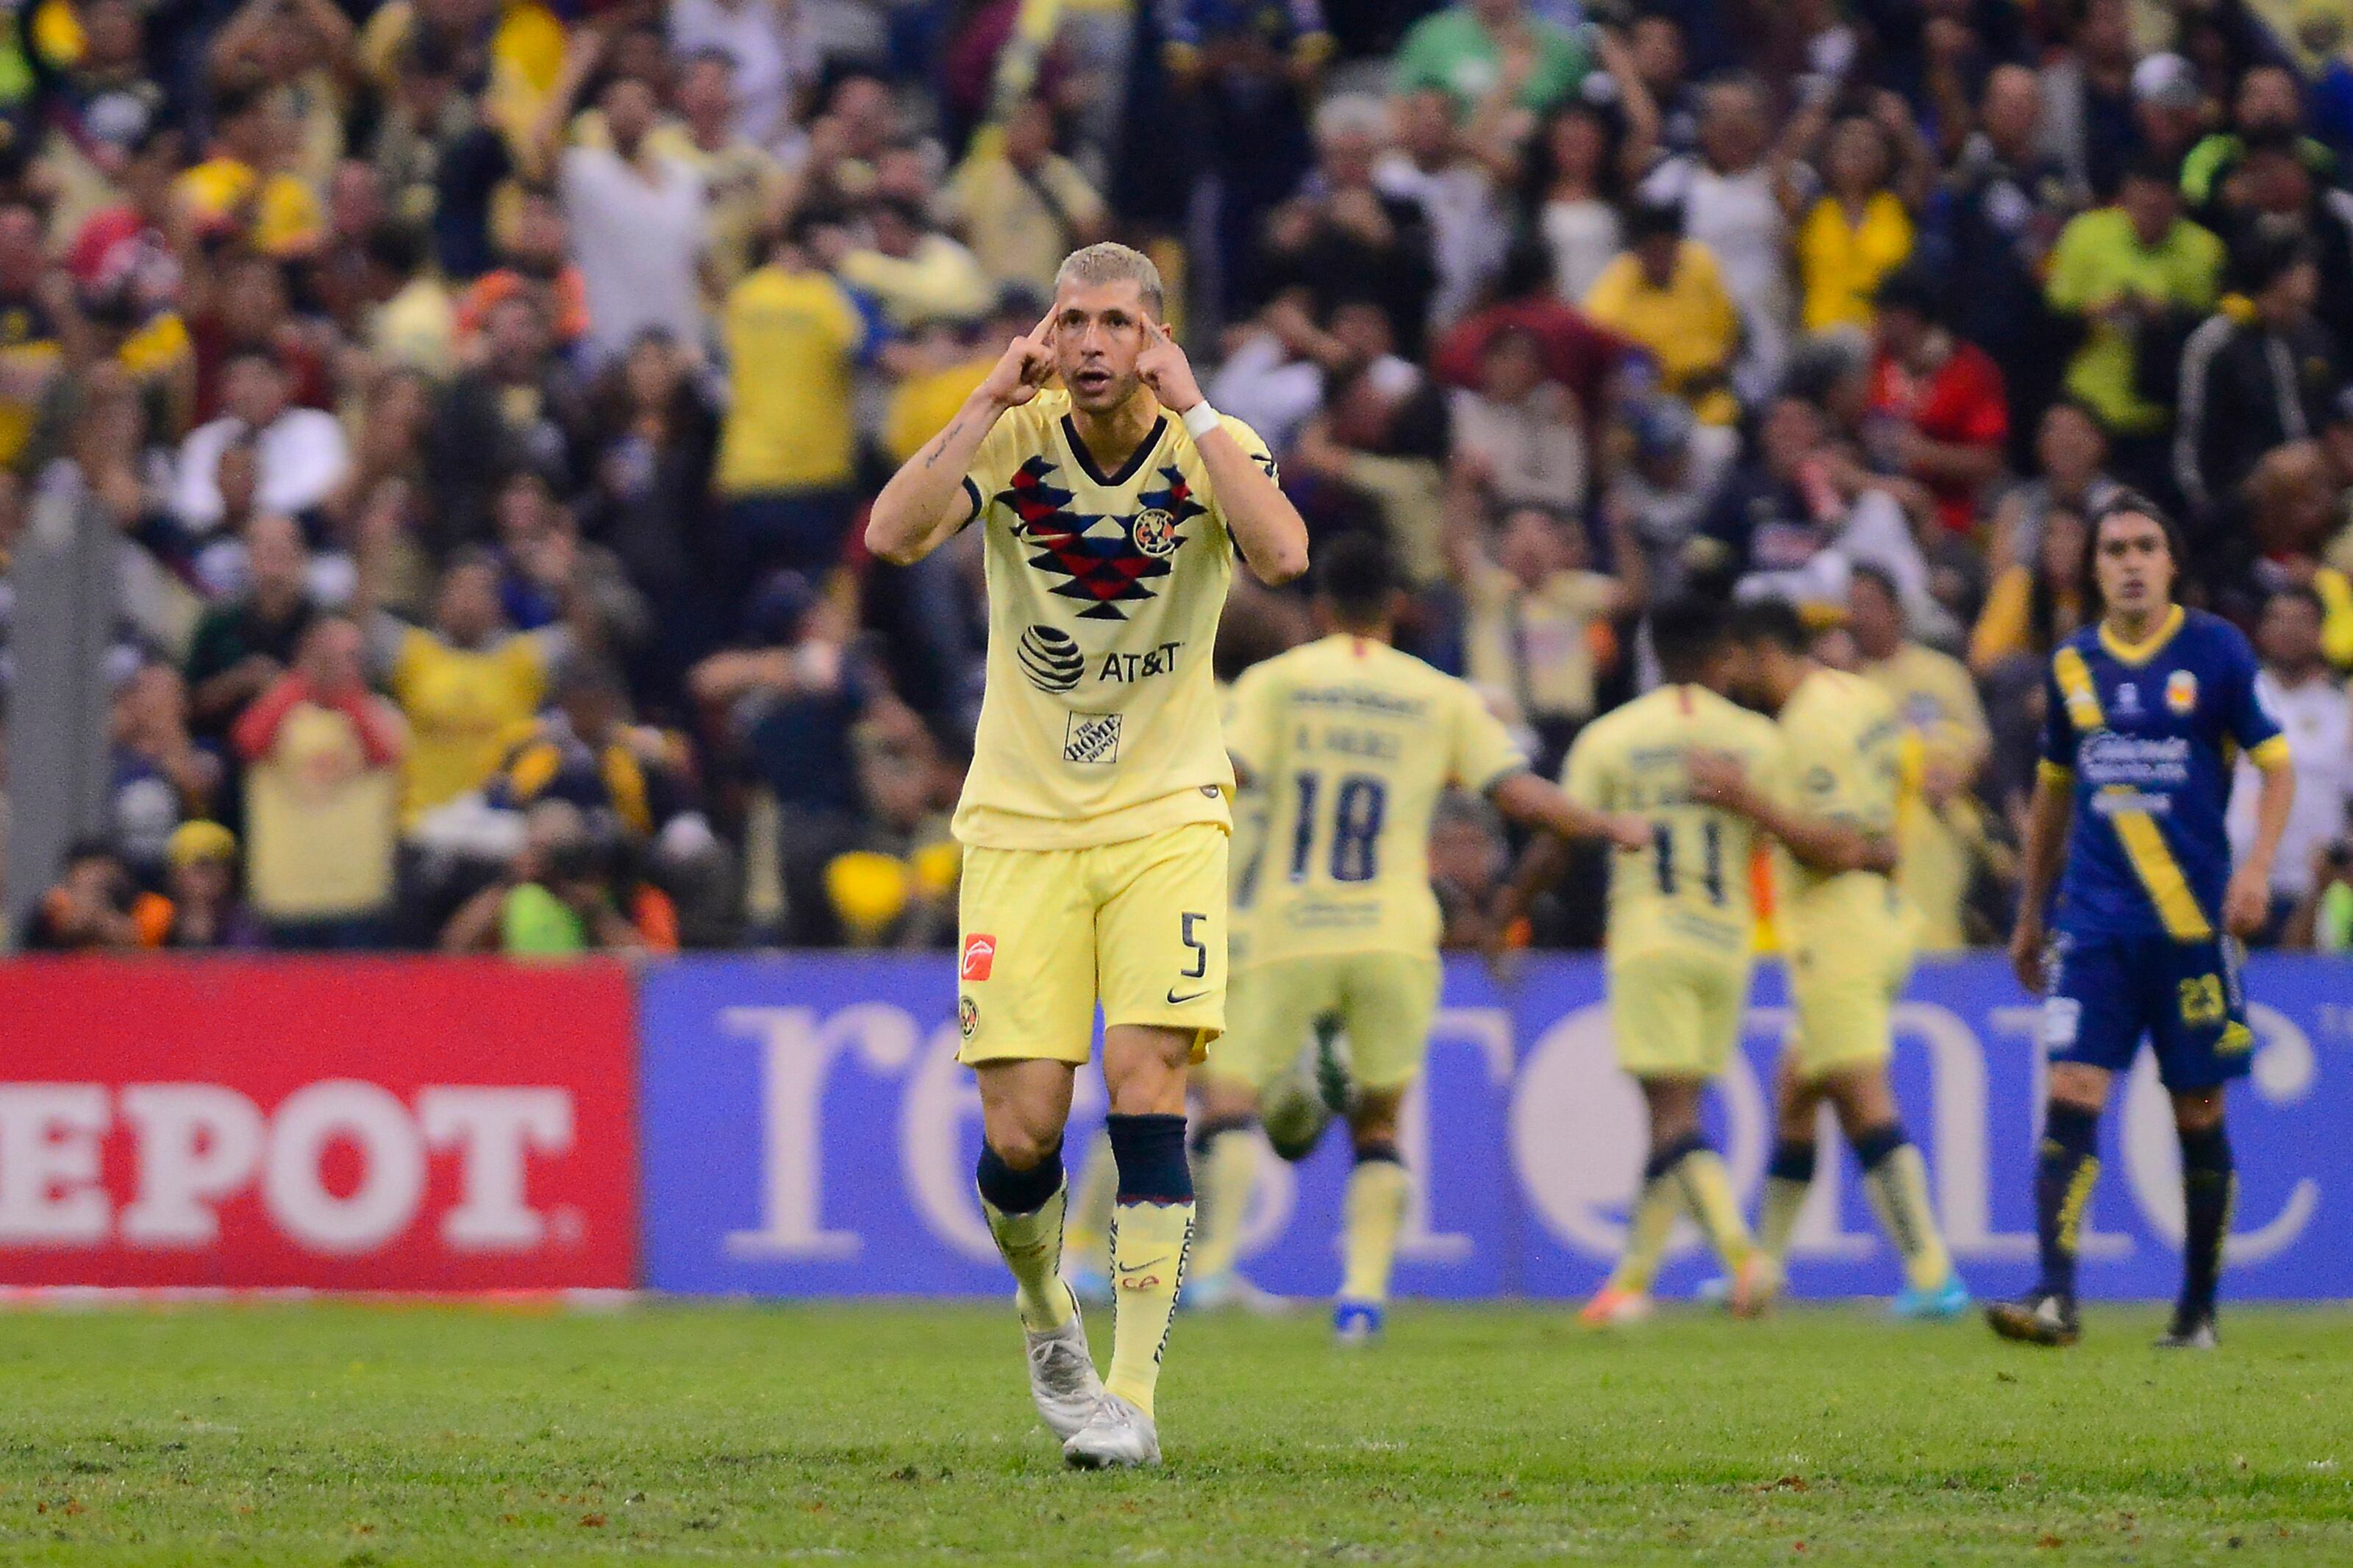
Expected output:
(1200, 419)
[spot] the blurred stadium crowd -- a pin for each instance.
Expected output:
(487, 393)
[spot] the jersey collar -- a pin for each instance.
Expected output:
(1086, 460)
(2148, 648)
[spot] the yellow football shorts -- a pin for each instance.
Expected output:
(1384, 1000)
(1046, 933)
(1842, 992)
(1674, 1014)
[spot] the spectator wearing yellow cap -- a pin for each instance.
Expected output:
(208, 915)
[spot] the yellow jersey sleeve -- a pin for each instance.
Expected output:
(999, 457)
(1770, 769)
(1252, 447)
(1253, 722)
(1845, 742)
(1823, 770)
(1484, 752)
(1587, 775)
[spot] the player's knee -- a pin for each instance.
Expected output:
(1673, 1105)
(1372, 1121)
(1143, 1071)
(1147, 1093)
(1020, 1142)
(2199, 1110)
(1863, 1101)
(2078, 1087)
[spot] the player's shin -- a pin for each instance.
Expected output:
(2210, 1187)
(1896, 1179)
(1025, 1216)
(1373, 1218)
(1151, 1232)
(1225, 1168)
(1707, 1194)
(2065, 1168)
(1789, 1177)
(1655, 1208)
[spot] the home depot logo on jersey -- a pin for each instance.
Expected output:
(1092, 738)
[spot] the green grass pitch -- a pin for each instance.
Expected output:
(356, 1434)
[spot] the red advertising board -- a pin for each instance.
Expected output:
(364, 1124)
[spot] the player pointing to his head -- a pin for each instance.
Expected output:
(1095, 809)
(1094, 814)
(2143, 711)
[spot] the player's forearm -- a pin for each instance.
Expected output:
(1824, 844)
(1532, 802)
(1272, 533)
(924, 502)
(2275, 800)
(2045, 847)
(1542, 864)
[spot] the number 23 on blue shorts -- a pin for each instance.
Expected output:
(2188, 997)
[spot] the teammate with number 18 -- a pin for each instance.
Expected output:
(1094, 816)
(1350, 743)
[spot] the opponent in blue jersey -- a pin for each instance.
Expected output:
(2145, 711)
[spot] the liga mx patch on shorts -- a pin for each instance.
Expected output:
(979, 957)
(1091, 738)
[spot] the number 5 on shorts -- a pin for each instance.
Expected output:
(1199, 949)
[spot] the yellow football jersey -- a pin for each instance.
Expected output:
(1938, 848)
(1100, 719)
(1242, 850)
(1350, 743)
(1846, 744)
(1690, 887)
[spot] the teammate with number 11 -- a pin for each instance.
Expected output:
(1681, 917)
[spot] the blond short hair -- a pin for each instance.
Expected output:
(1108, 262)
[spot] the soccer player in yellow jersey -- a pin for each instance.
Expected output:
(1094, 816)
(1349, 744)
(1849, 935)
(1680, 922)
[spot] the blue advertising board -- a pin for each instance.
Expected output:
(808, 1131)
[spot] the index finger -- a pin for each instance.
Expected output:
(1044, 330)
(1157, 330)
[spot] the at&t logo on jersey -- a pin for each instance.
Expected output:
(1050, 659)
